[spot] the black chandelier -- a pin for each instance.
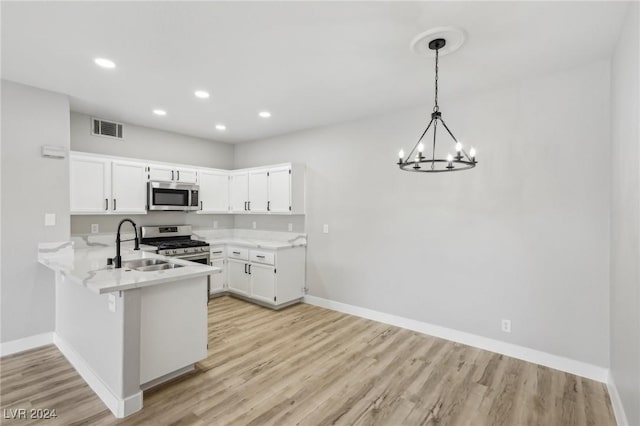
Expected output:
(420, 163)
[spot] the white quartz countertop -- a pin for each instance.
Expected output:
(261, 244)
(88, 267)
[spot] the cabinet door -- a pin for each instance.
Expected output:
(162, 173)
(263, 283)
(258, 187)
(279, 190)
(217, 281)
(239, 192)
(238, 278)
(186, 175)
(214, 192)
(128, 187)
(89, 185)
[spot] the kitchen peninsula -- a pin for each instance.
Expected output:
(127, 329)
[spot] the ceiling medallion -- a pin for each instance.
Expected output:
(420, 163)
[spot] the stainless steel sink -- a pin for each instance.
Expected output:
(134, 264)
(158, 267)
(148, 265)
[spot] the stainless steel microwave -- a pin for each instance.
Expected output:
(172, 196)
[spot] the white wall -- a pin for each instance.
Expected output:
(150, 144)
(31, 186)
(625, 217)
(524, 236)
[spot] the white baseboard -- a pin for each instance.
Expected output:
(26, 343)
(118, 406)
(578, 368)
(616, 402)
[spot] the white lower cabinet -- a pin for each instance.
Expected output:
(217, 281)
(238, 276)
(263, 283)
(271, 277)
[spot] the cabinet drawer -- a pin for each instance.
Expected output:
(265, 257)
(216, 252)
(238, 253)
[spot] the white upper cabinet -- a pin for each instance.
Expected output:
(280, 190)
(214, 191)
(258, 188)
(277, 189)
(90, 190)
(112, 185)
(186, 175)
(128, 187)
(239, 192)
(163, 173)
(100, 185)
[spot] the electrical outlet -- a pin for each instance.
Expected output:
(506, 326)
(112, 302)
(325, 229)
(254, 225)
(215, 224)
(95, 228)
(49, 219)
(290, 227)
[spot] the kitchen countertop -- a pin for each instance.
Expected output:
(242, 242)
(88, 267)
(283, 241)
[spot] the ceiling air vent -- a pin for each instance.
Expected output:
(106, 128)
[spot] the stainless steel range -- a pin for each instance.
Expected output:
(175, 241)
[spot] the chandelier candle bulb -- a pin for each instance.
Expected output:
(401, 155)
(472, 153)
(450, 160)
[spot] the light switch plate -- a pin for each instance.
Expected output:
(290, 227)
(49, 219)
(215, 224)
(254, 225)
(325, 229)
(95, 228)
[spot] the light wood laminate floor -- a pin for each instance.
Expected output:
(311, 366)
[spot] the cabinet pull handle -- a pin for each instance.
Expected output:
(178, 173)
(106, 204)
(245, 206)
(172, 177)
(114, 204)
(217, 252)
(235, 252)
(249, 269)
(259, 256)
(268, 206)
(248, 205)
(200, 205)
(245, 268)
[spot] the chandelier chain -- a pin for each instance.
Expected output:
(436, 108)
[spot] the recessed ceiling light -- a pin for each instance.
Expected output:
(264, 114)
(104, 63)
(201, 94)
(159, 112)
(221, 127)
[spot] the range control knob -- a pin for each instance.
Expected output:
(175, 251)
(185, 250)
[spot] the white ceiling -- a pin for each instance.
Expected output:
(309, 63)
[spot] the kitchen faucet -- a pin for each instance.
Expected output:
(118, 259)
